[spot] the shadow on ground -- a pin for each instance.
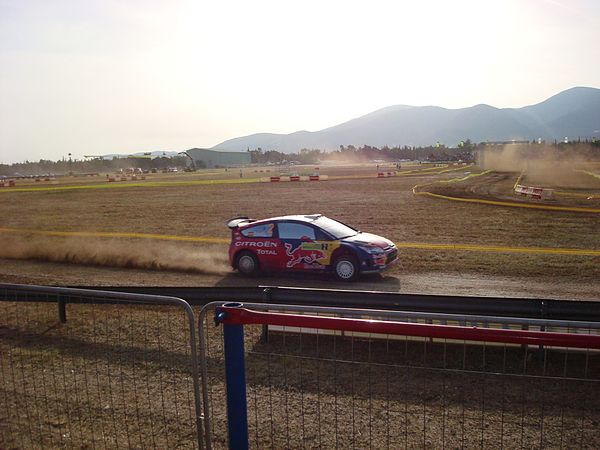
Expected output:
(372, 282)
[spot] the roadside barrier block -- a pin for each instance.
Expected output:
(534, 192)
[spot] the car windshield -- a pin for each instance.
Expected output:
(335, 228)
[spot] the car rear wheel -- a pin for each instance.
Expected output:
(247, 263)
(345, 268)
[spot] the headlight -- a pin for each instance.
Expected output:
(372, 250)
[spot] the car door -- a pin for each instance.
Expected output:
(261, 239)
(302, 250)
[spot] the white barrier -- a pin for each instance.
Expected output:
(287, 178)
(534, 192)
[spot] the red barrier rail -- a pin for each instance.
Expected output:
(243, 316)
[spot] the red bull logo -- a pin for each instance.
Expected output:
(306, 253)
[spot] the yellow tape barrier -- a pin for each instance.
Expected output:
(427, 171)
(513, 204)
(518, 180)
(496, 202)
(409, 245)
(577, 194)
(163, 237)
(453, 180)
(454, 169)
(500, 249)
(122, 184)
(592, 174)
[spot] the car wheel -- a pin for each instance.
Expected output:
(247, 263)
(345, 268)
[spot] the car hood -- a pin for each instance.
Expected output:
(368, 239)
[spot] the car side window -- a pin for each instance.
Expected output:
(293, 230)
(262, 231)
(322, 236)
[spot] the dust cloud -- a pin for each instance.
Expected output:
(543, 165)
(149, 255)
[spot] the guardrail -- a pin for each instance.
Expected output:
(449, 304)
(123, 370)
(333, 377)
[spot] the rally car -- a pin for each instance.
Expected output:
(307, 243)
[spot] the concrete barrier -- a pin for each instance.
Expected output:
(534, 192)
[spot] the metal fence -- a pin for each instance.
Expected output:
(93, 369)
(307, 386)
(112, 376)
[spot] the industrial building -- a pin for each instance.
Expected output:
(203, 157)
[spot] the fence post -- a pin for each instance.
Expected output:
(235, 379)
(62, 309)
(266, 298)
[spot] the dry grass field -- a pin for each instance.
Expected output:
(353, 195)
(395, 393)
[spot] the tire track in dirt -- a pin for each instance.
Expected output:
(483, 187)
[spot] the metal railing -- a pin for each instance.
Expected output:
(534, 308)
(327, 380)
(122, 372)
(103, 369)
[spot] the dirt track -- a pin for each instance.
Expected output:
(499, 186)
(42, 273)
(383, 206)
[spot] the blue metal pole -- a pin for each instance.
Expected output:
(235, 377)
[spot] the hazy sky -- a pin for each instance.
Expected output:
(102, 76)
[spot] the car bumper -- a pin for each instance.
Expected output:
(380, 264)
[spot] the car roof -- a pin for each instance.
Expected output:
(308, 218)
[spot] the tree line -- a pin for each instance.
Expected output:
(96, 165)
(465, 152)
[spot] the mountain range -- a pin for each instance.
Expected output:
(573, 113)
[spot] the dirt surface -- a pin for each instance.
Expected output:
(581, 191)
(382, 206)
(114, 376)
(470, 284)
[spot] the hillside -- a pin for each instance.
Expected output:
(573, 113)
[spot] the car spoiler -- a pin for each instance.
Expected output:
(237, 221)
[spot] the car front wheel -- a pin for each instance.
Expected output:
(247, 263)
(345, 268)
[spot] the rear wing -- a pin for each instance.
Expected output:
(237, 221)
